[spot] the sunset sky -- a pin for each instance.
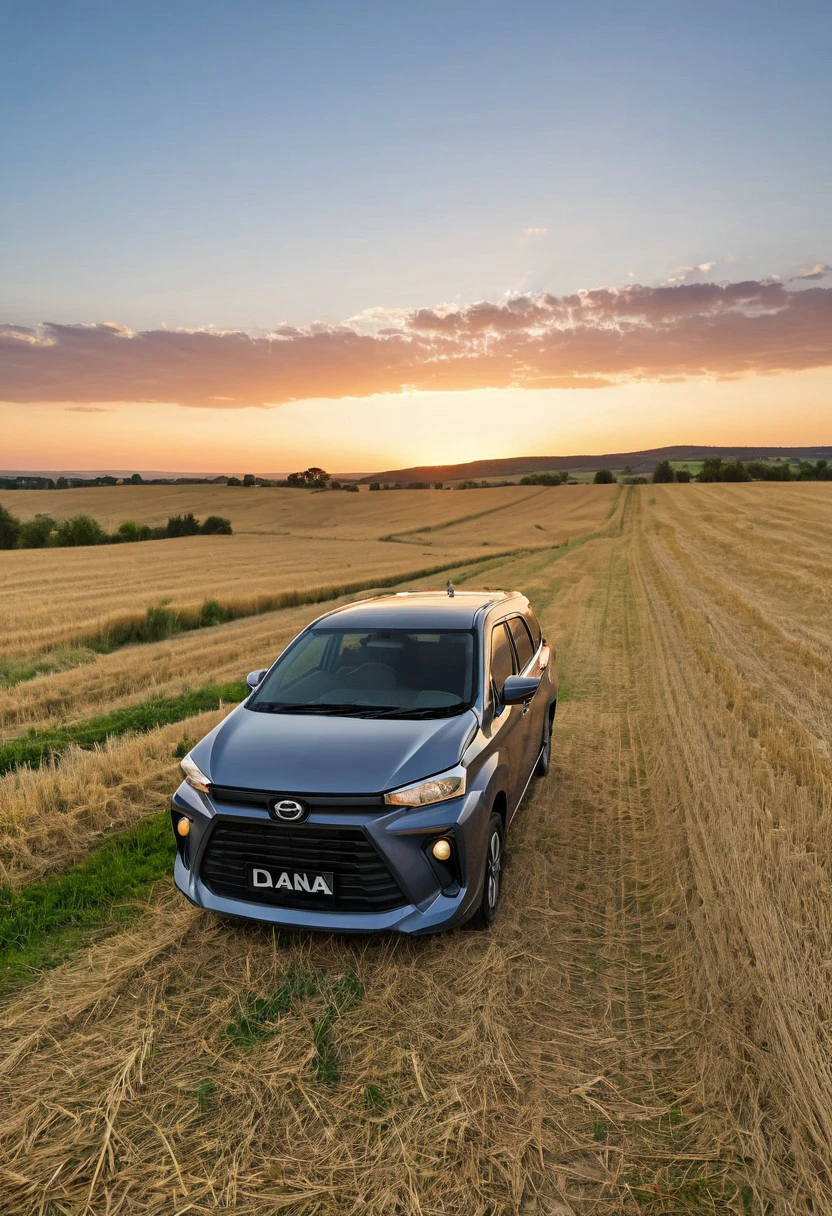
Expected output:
(254, 236)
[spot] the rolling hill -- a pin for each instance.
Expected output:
(640, 462)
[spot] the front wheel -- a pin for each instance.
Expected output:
(485, 914)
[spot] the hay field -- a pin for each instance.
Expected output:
(285, 540)
(646, 1030)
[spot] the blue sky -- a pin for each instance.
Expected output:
(238, 166)
(244, 164)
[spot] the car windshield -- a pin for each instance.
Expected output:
(373, 673)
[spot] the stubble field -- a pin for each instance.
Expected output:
(646, 1029)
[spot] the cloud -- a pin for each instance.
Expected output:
(532, 234)
(819, 271)
(88, 409)
(589, 339)
(683, 274)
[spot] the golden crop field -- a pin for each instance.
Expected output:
(284, 541)
(646, 1029)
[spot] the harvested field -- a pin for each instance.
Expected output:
(646, 1029)
(285, 542)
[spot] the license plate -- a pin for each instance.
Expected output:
(295, 882)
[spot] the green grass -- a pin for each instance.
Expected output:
(42, 923)
(255, 1017)
(65, 658)
(327, 1065)
(36, 746)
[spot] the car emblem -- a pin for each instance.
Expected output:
(287, 809)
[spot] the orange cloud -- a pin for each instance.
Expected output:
(587, 340)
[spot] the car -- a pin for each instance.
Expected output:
(369, 780)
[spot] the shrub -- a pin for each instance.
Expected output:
(352, 489)
(375, 485)
(9, 529)
(128, 531)
(216, 525)
(683, 475)
(36, 533)
(604, 477)
(543, 479)
(80, 530)
(182, 525)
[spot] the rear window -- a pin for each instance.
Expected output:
(502, 656)
(522, 641)
(534, 627)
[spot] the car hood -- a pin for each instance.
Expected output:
(315, 754)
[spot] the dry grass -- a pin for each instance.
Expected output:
(286, 540)
(645, 1031)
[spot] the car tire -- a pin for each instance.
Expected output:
(544, 760)
(486, 913)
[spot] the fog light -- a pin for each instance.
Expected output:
(442, 850)
(183, 827)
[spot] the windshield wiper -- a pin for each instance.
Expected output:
(436, 711)
(316, 707)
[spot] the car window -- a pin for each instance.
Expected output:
(522, 641)
(534, 627)
(502, 656)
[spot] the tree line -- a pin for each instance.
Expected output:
(44, 532)
(717, 469)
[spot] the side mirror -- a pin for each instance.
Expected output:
(254, 677)
(518, 689)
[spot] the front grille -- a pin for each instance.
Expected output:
(362, 881)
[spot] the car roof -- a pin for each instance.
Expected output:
(415, 610)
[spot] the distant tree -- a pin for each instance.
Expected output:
(216, 525)
(136, 479)
(36, 533)
(663, 472)
(628, 468)
(9, 529)
(249, 479)
(711, 469)
(375, 485)
(439, 485)
(335, 485)
(80, 530)
(313, 477)
(233, 481)
(352, 488)
(735, 470)
(604, 477)
(683, 475)
(62, 484)
(544, 479)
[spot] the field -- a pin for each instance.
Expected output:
(284, 541)
(647, 1028)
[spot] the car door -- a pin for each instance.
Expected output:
(507, 720)
(532, 712)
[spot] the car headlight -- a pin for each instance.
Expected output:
(436, 789)
(193, 775)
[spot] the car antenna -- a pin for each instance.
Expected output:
(451, 591)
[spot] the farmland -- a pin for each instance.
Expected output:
(646, 1029)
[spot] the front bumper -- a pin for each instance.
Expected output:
(433, 897)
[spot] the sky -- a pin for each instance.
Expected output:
(258, 236)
